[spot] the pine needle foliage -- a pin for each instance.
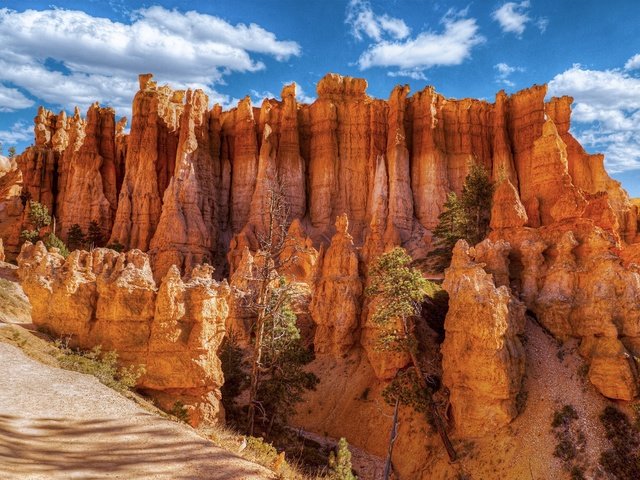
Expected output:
(75, 237)
(466, 217)
(283, 378)
(398, 290)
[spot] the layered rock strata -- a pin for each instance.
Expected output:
(387, 164)
(110, 299)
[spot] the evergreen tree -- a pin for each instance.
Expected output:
(476, 200)
(235, 379)
(12, 151)
(39, 215)
(52, 241)
(451, 228)
(283, 378)
(75, 237)
(340, 467)
(40, 218)
(398, 291)
(94, 235)
(277, 378)
(467, 217)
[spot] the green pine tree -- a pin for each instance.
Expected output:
(398, 291)
(451, 228)
(39, 215)
(467, 217)
(39, 218)
(283, 379)
(340, 467)
(50, 240)
(12, 151)
(94, 235)
(476, 200)
(75, 237)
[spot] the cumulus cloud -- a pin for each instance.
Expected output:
(190, 50)
(633, 63)
(606, 112)
(504, 71)
(451, 46)
(19, 132)
(513, 18)
(363, 21)
(12, 99)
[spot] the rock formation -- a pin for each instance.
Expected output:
(570, 275)
(338, 294)
(190, 184)
(110, 299)
(482, 357)
(188, 177)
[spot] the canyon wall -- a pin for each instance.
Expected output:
(189, 185)
(188, 178)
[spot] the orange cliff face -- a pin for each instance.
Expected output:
(187, 178)
(189, 185)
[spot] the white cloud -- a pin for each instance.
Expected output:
(504, 71)
(363, 21)
(606, 112)
(451, 46)
(513, 18)
(189, 50)
(542, 23)
(19, 132)
(12, 99)
(633, 63)
(414, 74)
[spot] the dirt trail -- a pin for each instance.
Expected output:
(58, 424)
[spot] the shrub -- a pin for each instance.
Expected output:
(564, 416)
(52, 241)
(75, 237)
(94, 235)
(623, 459)
(340, 463)
(103, 366)
(180, 411)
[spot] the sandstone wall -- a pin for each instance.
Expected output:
(110, 299)
(188, 177)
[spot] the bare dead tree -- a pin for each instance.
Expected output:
(276, 251)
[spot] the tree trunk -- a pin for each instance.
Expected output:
(437, 419)
(392, 440)
(257, 350)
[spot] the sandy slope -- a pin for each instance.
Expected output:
(57, 424)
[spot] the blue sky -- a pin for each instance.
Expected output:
(67, 53)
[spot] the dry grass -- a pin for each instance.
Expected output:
(14, 306)
(258, 451)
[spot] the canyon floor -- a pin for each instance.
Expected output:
(59, 424)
